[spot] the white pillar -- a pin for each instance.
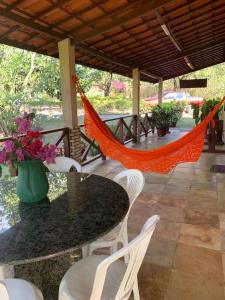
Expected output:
(160, 92)
(69, 97)
(67, 70)
(136, 102)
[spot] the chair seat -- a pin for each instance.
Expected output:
(78, 281)
(19, 289)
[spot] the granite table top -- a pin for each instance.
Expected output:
(79, 209)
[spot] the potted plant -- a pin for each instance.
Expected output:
(24, 153)
(208, 106)
(161, 119)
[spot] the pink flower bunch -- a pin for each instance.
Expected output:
(26, 144)
(119, 86)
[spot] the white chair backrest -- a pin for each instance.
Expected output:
(63, 164)
(134, 183)
(136, 251)
(3, 291)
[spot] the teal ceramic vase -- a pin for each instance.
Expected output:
(32, 183)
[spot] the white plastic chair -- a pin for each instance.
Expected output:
(19, 289)
(133, 182)
(63, 164)
(108, 277)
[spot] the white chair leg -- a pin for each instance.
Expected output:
(136, 290)
(85, 251)
(6, 271)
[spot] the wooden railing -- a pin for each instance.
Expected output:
(62, 142)
(125, 129)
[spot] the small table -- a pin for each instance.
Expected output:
(80, 208)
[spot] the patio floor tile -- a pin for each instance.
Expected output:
(196, 217)
(153, 281)
(167, 231)
(199, 261)
(161, 253)
(186, 256)
(173, 200)
(185, 286)
(201, 236)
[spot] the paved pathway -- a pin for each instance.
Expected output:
(186, 254)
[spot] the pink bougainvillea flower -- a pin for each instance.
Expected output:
(118, 85)
(35, 134)
(9, 146)
(2, 156)
(19, 154)
(48, 153)
(23, 125)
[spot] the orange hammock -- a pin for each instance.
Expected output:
(161, 160)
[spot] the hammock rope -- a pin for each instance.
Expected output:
(161, 160)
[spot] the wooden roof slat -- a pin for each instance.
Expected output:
(142, 8)
(13, 5)
(51, 8)
(189, 52)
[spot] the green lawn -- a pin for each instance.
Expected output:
(186, 123)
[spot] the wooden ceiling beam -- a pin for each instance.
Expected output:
(28, 23)
(199, 68)
(188, 52)
(12, 5)
(141, 9)
(51, 8)
(73, 15)
(16, 44)
(200, 24)
(177, 32)
(12, 29)
(197, 16)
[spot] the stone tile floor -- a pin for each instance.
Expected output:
(186, 256)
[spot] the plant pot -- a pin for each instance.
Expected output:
(162, 131)
(32, 183)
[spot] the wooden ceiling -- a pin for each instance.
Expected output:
(164, 38)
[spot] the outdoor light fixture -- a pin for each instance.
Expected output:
(188, 62)
(165, 29)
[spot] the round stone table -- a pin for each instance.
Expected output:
(80, 208)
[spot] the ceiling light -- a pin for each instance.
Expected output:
(165, 29)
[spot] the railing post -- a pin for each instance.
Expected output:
(66, 143)
(121, 131)
(135, 128)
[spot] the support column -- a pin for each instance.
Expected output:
(160, 92)
(136, 102)
(69, 97)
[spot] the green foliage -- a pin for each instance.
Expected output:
(196, 112)
(87, 76)
(168, 114)
(208, 106)
(161, 117)
(200, 112)
(109, 104)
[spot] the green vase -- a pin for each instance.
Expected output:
(32, 183)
